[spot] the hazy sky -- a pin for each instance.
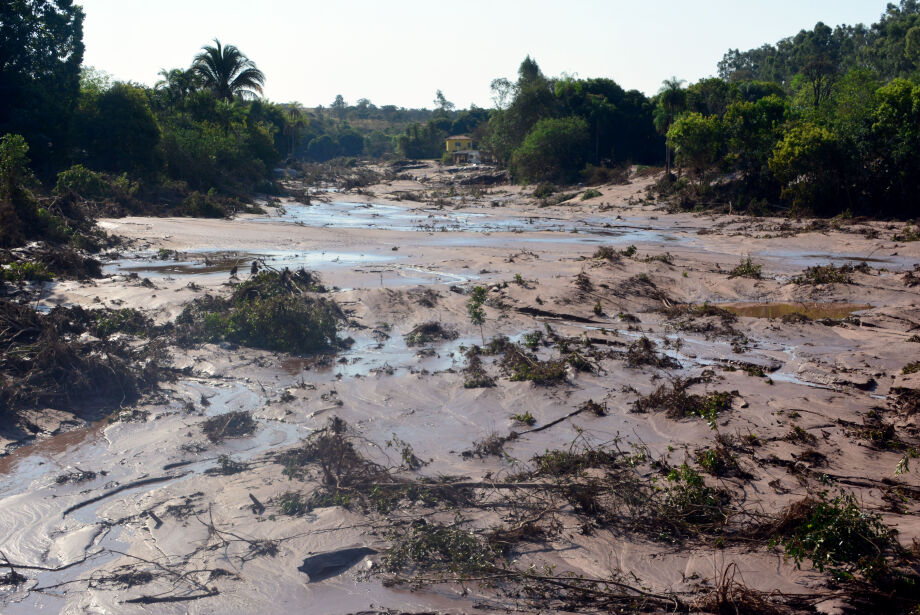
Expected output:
(399, 52)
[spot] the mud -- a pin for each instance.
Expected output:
(197, 536)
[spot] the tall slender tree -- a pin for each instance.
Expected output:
(227, 72)
(672, 99)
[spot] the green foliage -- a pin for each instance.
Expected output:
(125, 320)
(95, 186)
(687, 497)
(525, 418)
(911, 368)
(746, 269)
(434, 547)
(270, 311)
(590, 194)
(227, 72)
(26, 271)
(838, 535)
(119, 131)
(41, 50)
(554, 150)
(825, 274)
(696, 140)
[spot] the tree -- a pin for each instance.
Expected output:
(339, 106)
(696, 140)
(672, 99)
(555, 150)
(177, 84)
(751, 131)
(807, 162)
(227, 72)
(474, 309)
(119, 131)
(442, 103)
(41, 50)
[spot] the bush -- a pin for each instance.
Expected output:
(94, 186)
(590, 194)
(837, 535)
(554, 150)
(269, 311)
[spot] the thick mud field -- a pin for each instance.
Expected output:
(649, 410)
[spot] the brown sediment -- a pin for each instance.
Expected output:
(764, 415)
(812, 310)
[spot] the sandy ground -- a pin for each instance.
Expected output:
(397, 263)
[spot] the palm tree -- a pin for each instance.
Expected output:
(227, 72)
(294, 121)
(177, 84)
(671, 99)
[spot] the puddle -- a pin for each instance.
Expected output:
(220, 262)
(778, 310)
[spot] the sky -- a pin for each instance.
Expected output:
(401, 52)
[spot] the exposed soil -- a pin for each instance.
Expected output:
(626, 432)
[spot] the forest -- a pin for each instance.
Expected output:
(822, 122)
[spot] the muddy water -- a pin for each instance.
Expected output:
(809, 310)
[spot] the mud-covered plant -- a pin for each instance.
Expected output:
(293, 504)
(911, 368)
(434, 547)
(642, 352)
(525, 418)
(829, 274)
(125, 320)
(838, 535)
(688, 499)
(475, 310)
(475, 375)
(273, 310)
(429, 332)
(746, 269)
(674, 399)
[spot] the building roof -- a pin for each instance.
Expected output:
(459, 138)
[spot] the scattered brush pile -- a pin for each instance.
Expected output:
(642, 352)
(48, 362)
(677, 403)
(429, 332)
(274, 310)
(518, 365)
(707, 319)
(829, 274)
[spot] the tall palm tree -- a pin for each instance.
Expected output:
(227, 72)
(672, 98)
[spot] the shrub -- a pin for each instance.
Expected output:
(591, 193)
(268, 311)
(838, 535)
(746, 269)
(554, 150)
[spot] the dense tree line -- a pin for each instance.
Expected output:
(832, 125)
(549, 129)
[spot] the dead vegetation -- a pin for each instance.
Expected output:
(236, 424)
(673, 399)
(46, 361)
(428, 332)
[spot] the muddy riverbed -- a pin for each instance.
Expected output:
(143, 512)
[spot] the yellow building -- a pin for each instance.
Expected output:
(460, 143)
